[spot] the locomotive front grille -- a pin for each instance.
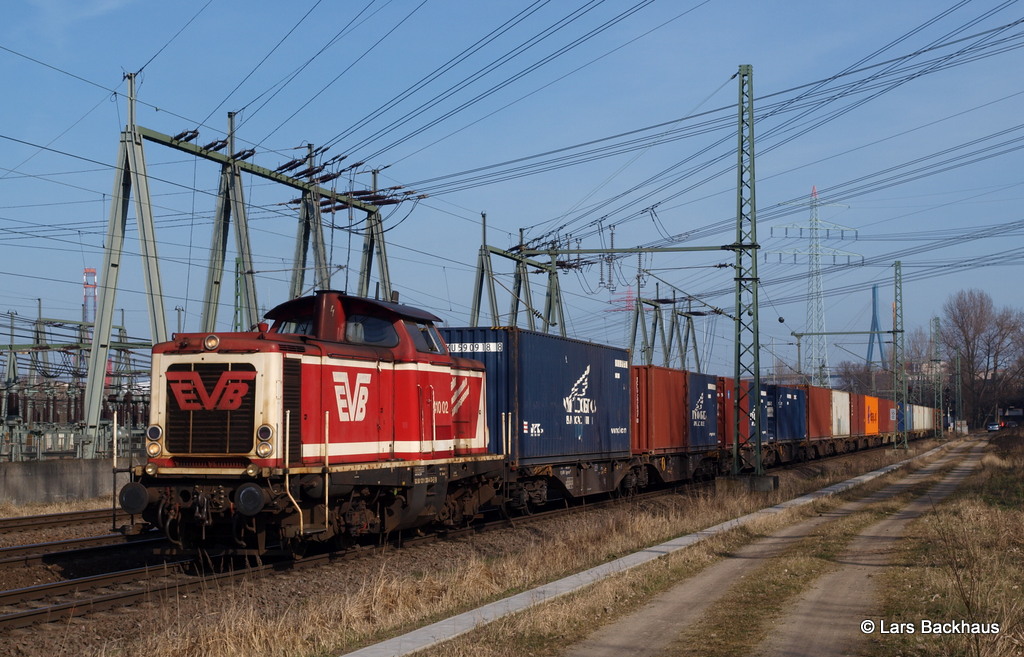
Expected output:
(211, 408)
(292, 401)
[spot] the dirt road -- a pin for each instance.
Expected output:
(826, 620)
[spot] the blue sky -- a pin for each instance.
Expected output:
(904, 115)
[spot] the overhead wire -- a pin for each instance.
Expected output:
(175, 36)
(345, 70)
(260, 63)
(503, 83)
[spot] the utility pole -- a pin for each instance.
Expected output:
(747, 333)
(959, 390)
(936, 359)
(899, 373)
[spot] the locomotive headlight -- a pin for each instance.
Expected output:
(154, 432)
(263, 450)
(211, 342)
(153, 449)
(151, 469)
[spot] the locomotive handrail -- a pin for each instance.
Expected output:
(287, 470)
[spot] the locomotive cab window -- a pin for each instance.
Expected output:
(297, 326)
(295, 317)
(370, 330)
(425, 337)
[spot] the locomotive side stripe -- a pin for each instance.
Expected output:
(397, 367)
(365, 448)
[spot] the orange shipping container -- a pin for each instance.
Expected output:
(871, 416)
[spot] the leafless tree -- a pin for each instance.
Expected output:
(989, 343)
(861, 379)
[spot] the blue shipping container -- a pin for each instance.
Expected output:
(767, 410)
(904, 417)
(550, 398)
(702, 393)
(790, 414)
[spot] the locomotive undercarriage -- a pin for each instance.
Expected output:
(289, 512)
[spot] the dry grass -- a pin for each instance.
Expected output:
(10, 510)
(260, 620)
(546, 630)
(965, 561)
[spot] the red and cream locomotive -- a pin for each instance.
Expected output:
(344, 417)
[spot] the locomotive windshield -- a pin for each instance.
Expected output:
(298, 326)
(425, 337)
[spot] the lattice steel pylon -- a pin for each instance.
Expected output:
(899, 372)
(130, 177)
(230, 209)
(748, 339)
(817, 355)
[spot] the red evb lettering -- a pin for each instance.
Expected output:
(227, 395)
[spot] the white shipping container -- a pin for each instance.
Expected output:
(924, 418)
(840, 413)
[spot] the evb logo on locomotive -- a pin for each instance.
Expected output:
(352, 398)
(227, 395)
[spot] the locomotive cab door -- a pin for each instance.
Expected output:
(433, 379)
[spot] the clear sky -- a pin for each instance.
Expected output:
(570, 119)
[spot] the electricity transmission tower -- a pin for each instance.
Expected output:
(815, 360)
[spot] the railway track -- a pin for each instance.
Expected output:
(46, 603)
(23, 523)
(59, 601)
(75, 548)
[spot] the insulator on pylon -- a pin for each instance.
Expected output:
(327, 177)
(288, 166)
(244, 155)
(216, 145)
(186, 135)
(311, 171)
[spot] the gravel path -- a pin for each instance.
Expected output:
(826, 621)
(653, 627)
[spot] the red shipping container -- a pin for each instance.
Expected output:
(819, 412)
(726, 423)
(886, 416)
(858, 412)
(658, 409)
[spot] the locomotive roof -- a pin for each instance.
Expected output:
(303, 305)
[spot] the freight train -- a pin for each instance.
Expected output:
(343, 417)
